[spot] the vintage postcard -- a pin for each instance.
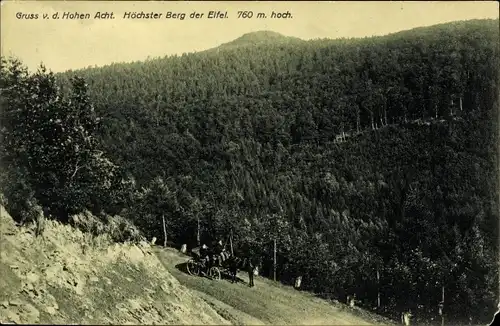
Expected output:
(249, 162)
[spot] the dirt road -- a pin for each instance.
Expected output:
(266, 303)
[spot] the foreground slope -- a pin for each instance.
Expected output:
(266, 303)
(56, 279)
(64, 276)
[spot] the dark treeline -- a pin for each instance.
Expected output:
(355, 155)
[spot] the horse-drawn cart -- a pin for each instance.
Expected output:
(219, 265)
(195, 267)
(223, 263)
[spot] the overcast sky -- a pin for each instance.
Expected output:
(71, 44)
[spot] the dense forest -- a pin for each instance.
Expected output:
(357, 156)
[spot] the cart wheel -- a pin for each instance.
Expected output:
(193, 268)
(214, 273)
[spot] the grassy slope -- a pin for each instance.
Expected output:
(268, 302)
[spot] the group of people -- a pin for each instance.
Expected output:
(218, 255)
(207, 254)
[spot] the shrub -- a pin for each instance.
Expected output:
(117, 228)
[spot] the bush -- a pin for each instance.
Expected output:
(18, 197)
(117, 228)
(121, 230)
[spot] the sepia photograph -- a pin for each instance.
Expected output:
(249, 162)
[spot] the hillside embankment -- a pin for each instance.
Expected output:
(64, 276)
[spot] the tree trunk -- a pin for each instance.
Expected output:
(442, 306)
(164, 231)
(385, 112)
(198, 230)
(274, 261)
(157, 111)
(231, 242)
(385, 106)
(378, 288)
(358, 120)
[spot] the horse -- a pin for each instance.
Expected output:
(234, 263)
(246, 264)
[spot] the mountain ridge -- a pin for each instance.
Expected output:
(259, 38)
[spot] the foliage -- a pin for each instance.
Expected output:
(49, 150)
(117, 228)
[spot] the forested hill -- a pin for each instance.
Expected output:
(294, 93)
(315, 144)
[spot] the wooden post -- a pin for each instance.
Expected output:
(378, 288)
(298, 281)
(164, 231)
(274, 261)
